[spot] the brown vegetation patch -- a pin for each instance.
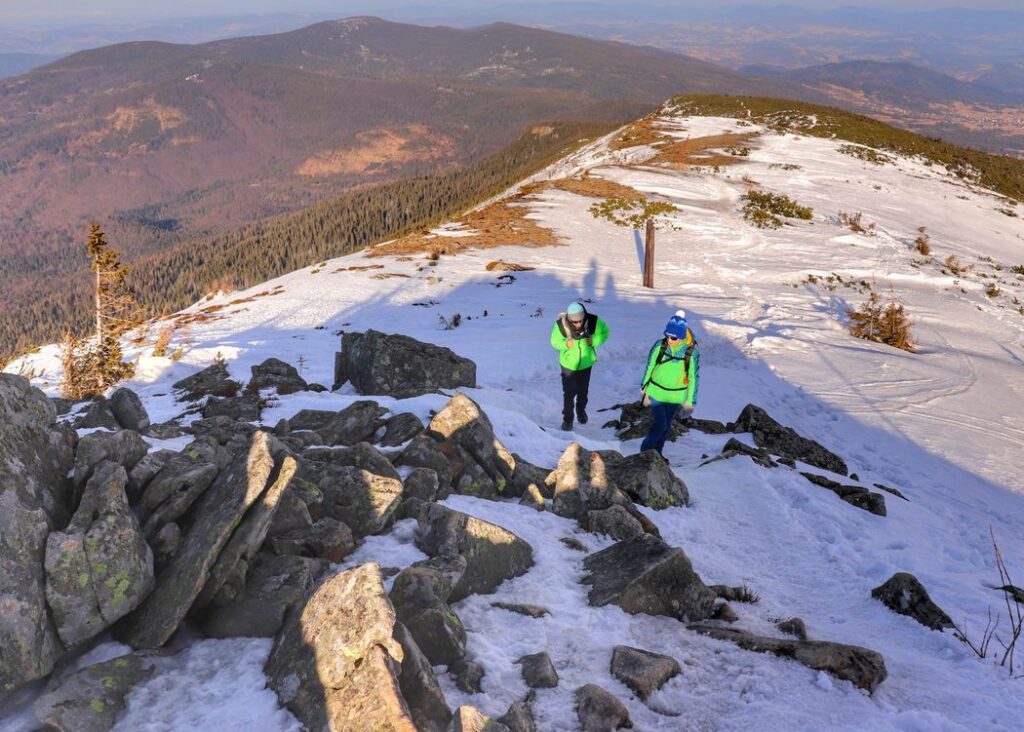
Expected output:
(706, 150)
(389, 276)
(360, 268)
(503, 266)
(378, 149)
(642, 132)
(597, 188)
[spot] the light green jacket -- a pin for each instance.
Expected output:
(581, 355)
(673, 375)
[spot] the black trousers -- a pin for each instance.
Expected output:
(575, 391)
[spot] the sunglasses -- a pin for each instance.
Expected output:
(672, 338)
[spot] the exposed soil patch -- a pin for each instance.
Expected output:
(596, 188)
(379, 149)
(709, 150)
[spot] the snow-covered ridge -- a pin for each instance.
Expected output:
(944, 425)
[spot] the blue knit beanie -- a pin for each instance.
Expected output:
(574, 309)
(676, 326)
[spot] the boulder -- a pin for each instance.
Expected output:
(166, 545)
(530, 611)
(903, 593)
(600, 711)
(273, 586)
(470, 719)
(468, 676)
(99, 568)
(144, 471)
(278, 375)
(319, 460)
(855, 495)
(538, 671)
(364, 501)
(98, 415)
(223, 430)
(358, 422)
(165, 431)
(399, 366)
(216, 515)
(35, 497)
(527, 479)
(336, 664)
(646, 575)
(214, 380)
(124, 448)
(463, 422)
(128, 410)
(519, 717)
(292, 514)
(642, 671)
(419, 686)
(615, 521)
(582, 484)
(793, 626)
(648, 480)
(419, 595)
(425, 452)
(89, 700)
(492, 554)
(422, 483)
(328, 539)
(780, 440)
(533, 498)
(734, 447)
(400, 429)
(173, 490)
(247, 408)
(862, 667)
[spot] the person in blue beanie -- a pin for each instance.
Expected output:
(671, 380)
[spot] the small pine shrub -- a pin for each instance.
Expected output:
(954, 266)
(766, 210)
(921, 242)
(163, 341)
(853, 223)
(452, 324)
(1018, 269)
(993, 290)
(867, 154)
(882, 322)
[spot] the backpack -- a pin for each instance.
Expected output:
(664, 354)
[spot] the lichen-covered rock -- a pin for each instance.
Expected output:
(538, 671)
(214, 380)
(35, 458)
(527, 478)
(356, 423)
(399, 366)
(903, 593)
(648, 480)
(276, 374)
(463, 422)
(128, 410)
(125, 448)
(216, 515)
(144, 471)
(492, 554)
(99, 568)
(429, 709)
(335, 664)
(419, 595)
(401, 428)
(862, 667)
(642, 671)
(173, 490)
(317, 461)
(784, 441)
(328, 539)
(581, 483)
(615, 521)
(425, 452)
(422, 483)
(364, 501)
(646, 575)
(471, 719)
(600, 711)
(89, 700)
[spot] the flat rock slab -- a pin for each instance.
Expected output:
(862, 667)
(903, 593)
(217, 514)
(89, 700)
(646, 575)
(642, 671)
(600, 711)
(531, 611)
(419, 686)
(336, 664)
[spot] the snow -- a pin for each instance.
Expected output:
(944, 425)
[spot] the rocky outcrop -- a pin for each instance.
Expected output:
(492, 554)
(99, 568)
(124, 448)
(420, 597)
(642, 671)
(430, 711)
(214, 380)
(35, 497)
(425, 452)
(358, 422)
(903, 593)
(600, 711)
(646, 575)
(784, 441)
(278, 375)
(336, 664)
(855, 495)
(481, 464)
(399, 366)
(89, 700)
(648, 480)
(216, 515)
(862, 667)
(128, 410)
(581, 484)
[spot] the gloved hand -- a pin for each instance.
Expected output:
(685, 412)
(569, 343)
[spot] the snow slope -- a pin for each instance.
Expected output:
(945, 425)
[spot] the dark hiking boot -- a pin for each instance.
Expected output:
(581, 417)
(566, 425)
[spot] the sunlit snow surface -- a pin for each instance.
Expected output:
(944, 425)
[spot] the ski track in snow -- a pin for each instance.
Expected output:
(943, 425)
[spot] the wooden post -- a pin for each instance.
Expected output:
(649, 255)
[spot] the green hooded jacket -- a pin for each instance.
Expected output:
(581, 355)
(673, 375)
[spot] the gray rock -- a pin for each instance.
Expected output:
(292, 515)
(144, 471)
(533, 498)
(519, 717)
(400, 429)
(319, 460)
(214, 380)
(358, 422)
(642, 671)
(128, 410)
(538, 671)
(166, 545)
(648, 480)
(273, 586)
(173, 490)
(893, 491)
(468, 675)
(35, 497)
(528, 479)
(365, 502)
(422, 483)
(328, 539)
(216, 515)
(582, 484)
(399, 366)
(335, 664)
(600, 711)
(419, 594)
(855, 495)
(530, 611)
(430, 711)
(903, 593)
(793, 626)
(646, 575)
(635, 421)
(276, 374)
(725, 613)
(165, 431)
(575, 544)
(311, 419)
(222, 430)
(492, 554)
(425, 452)
(780, 440)
(125, 448)
(248, 407)
(439, 633)
(470, 719)
(99, 568)
(89, 700)
(615, 521)
(463, 422)
(760, 456)
(98, 415)
(862, 667)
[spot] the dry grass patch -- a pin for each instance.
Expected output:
(642, 132)
(503, 266)
(703, 150)
(596, 188)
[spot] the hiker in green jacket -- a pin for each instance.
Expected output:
(671, 380)
(576, 335)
